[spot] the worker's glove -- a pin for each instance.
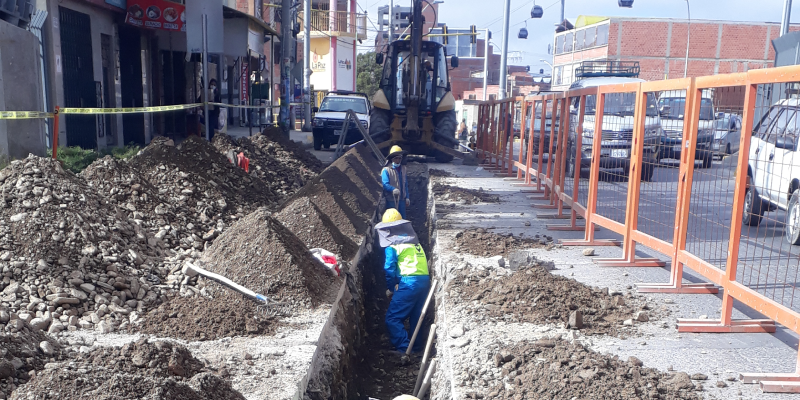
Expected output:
(408, 202)
(389, 294)
(396, 193)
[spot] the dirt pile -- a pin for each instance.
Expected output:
(440, 173)
(206, 191)
(23, 350)
(70, 258)
(278, 168)
(315, 229)
(463, 196)
(222, 314)
(537, 296)
(550, 369)
(480, 242)
(274, 141)
(345, 193)
(141, 370)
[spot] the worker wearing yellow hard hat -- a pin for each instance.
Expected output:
(407, 279)
(395, 182)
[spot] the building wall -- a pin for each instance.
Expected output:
(660, 47)
(20, 90)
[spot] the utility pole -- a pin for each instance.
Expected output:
(787, 15)
(287, 63)
(391, 21)
(561, 21)
(206, 90)
(307, 66)
(486, 65)
(504, 54)
(689, 31)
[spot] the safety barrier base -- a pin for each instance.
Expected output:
(717, 326)
(594, 243)
(625, 262)
(548, 206)
(528, 185)
(555, 216)
(774, 383)
(565, 228)
(691, 288)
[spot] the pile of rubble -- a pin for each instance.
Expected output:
(315, 229)
(275, 167)
(141, 370)
(463, 196)
(275, 142)
(554, 369)
(23, 351)
(69, 258)
(534, 295)
(480, 242)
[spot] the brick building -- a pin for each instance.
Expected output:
(659, 44)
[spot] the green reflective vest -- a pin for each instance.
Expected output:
(411, 259)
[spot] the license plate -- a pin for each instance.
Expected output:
(676, 148)
(605, 152)
(337, 133)
(619, 153)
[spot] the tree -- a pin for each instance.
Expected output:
(369, 73)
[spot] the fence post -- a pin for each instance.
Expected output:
(55, 132)
(510, 135)
(522, 110)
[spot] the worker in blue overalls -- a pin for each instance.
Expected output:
(395, 182)
(407, 278)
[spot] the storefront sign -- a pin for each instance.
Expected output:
(245, 81)
(157, 14)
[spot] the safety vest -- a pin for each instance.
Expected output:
(411, 259)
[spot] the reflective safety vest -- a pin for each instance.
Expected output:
(411, 259)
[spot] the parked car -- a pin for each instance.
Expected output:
(773, 171)
(617, 134)
(727, 133)
(671, 107)
(328, 120)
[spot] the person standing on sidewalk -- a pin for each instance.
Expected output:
(395, 181)
(212, 122)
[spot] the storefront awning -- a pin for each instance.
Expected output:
(233, 13)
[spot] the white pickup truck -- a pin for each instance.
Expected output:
(773, 169)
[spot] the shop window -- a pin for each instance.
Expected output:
(590, 37)
(602, 35)
(568, 43)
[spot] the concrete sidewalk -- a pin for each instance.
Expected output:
(719, 356)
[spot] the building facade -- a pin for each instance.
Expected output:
(659, 45)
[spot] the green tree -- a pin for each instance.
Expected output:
(369, 73)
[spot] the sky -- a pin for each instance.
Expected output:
(489, 14)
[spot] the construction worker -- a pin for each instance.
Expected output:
(407, 278)
(395, 182)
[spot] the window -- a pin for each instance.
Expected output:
(590, 37)
(341, 104)
(602, 35)
(557, 73)
(568, 43)
(580, 38)
(559, 44)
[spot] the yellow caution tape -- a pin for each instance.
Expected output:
(25, 115)
(240, 105)
(128, 110)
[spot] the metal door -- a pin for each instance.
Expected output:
(79, 85)
(130, 64)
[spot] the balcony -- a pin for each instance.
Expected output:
(339, 23)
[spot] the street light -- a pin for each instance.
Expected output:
(548, 64)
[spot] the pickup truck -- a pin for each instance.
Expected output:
(329, 118)
(671, 107)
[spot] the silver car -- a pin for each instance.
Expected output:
(727, 132)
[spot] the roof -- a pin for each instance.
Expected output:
(584, 20)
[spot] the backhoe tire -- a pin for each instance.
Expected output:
(444, 133)
(380, 122)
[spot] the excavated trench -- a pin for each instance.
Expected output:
(355, 359)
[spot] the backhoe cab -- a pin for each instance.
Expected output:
(414, 107)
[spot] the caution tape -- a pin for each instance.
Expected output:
(128, 110)
(25, 115)
(240, 105)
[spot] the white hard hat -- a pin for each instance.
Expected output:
(405, 397)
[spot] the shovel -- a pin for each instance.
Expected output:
(270, 308)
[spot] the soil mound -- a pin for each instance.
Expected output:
(202, 186)
(363, 170)
(537, 296)
(479, 242)
(464, 196)
(262, 255)
(141, 370)
(279, 170)
(273, 141)
(315, 229)
(65, 246)
(23, 350)
(550, 369)
(440, 173)
(226, 314)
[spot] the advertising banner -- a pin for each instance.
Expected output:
(157, 14)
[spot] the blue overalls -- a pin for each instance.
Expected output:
(407, 267)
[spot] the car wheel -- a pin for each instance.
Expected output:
(317, 142)
(326, 145)
(793, 219)
(707, 160)
(728, 149)
(753, 207)
(647, 171)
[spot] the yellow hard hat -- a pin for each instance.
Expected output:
(391, 215)
(395, 151)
